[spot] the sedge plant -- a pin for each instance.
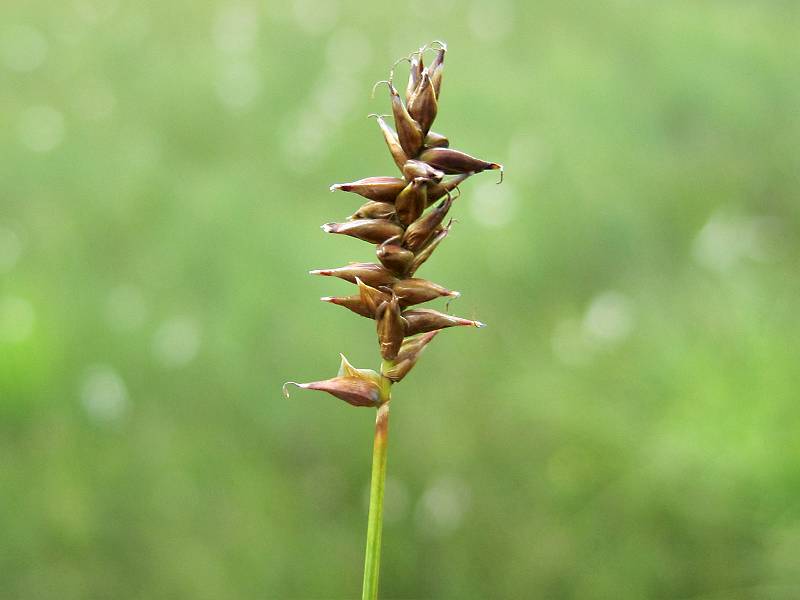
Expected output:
(405, 218)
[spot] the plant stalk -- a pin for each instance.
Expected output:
(372, 561)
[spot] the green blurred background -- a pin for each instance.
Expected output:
(627, 425)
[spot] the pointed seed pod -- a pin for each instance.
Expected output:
(421, 320)
(416, 291)
(439, 190)
(422, 230)
(373, 210)
(436, 140)
(436, 68)
(424, 254)
(414, 73)
(389, 134)
(423, 106)
(391, 327)
(454, 161)
(353, 303)
(408, 130)
(380, 189)
(369, 273)
(353, 390)
(410, 351)
(371, 297)
(375, 231)
(416, 168)
(348, 370)
(394, 257)
(411, 202)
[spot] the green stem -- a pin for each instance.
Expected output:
(372, 562)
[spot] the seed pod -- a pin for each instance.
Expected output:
(435, 69)
(348, 370)
(414, 73)
(410, 351)
(411, 202)
(438, 190)
(369, 273)
(353, 303)
(436, 140)
(394, 257)
(389, 134)
(375, 231)
(454, 161)
(423, 106)
(374, 210)
(391, 327)
(353, 390)
(424, 254)
(380, 189)
(371, 297)
(421, 320)
(421, 230)
(409, 132)
(416, 168)
(416, 291)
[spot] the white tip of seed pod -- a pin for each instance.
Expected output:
(286, 388)
(329, 227)
(498, 167)
(335, 186)
(478, 324)
(320, 272)
(327, 298)
(453, 294)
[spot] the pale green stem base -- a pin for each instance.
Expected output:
(372, 561)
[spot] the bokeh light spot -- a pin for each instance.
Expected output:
(41, 128)
(491, 21)
(17, 318)
(235, 29)
(125, 308)
(315, 16)
(609, 317)
(440, 511)
(177, 342)
(104, 395)
(492, 205)
(10, 249)
(22, 48)
(238, 85)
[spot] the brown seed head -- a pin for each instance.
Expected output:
(374, 210)
(421, 320)
(380, 189)
(391, 328)
(393, 143)
(394, 257)
(416, 168)
(423, 106)
(420, 231)
(395, 219)
(369, 273)
(353, 303)
(375, 231)
(436, 68)
(454, 161)
(353, 390)
(410, 203)
(416, 291)
(410, 351)
(436, 140)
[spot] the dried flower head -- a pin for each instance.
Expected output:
(404, 217)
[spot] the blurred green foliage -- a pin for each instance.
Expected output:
(627, 425)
